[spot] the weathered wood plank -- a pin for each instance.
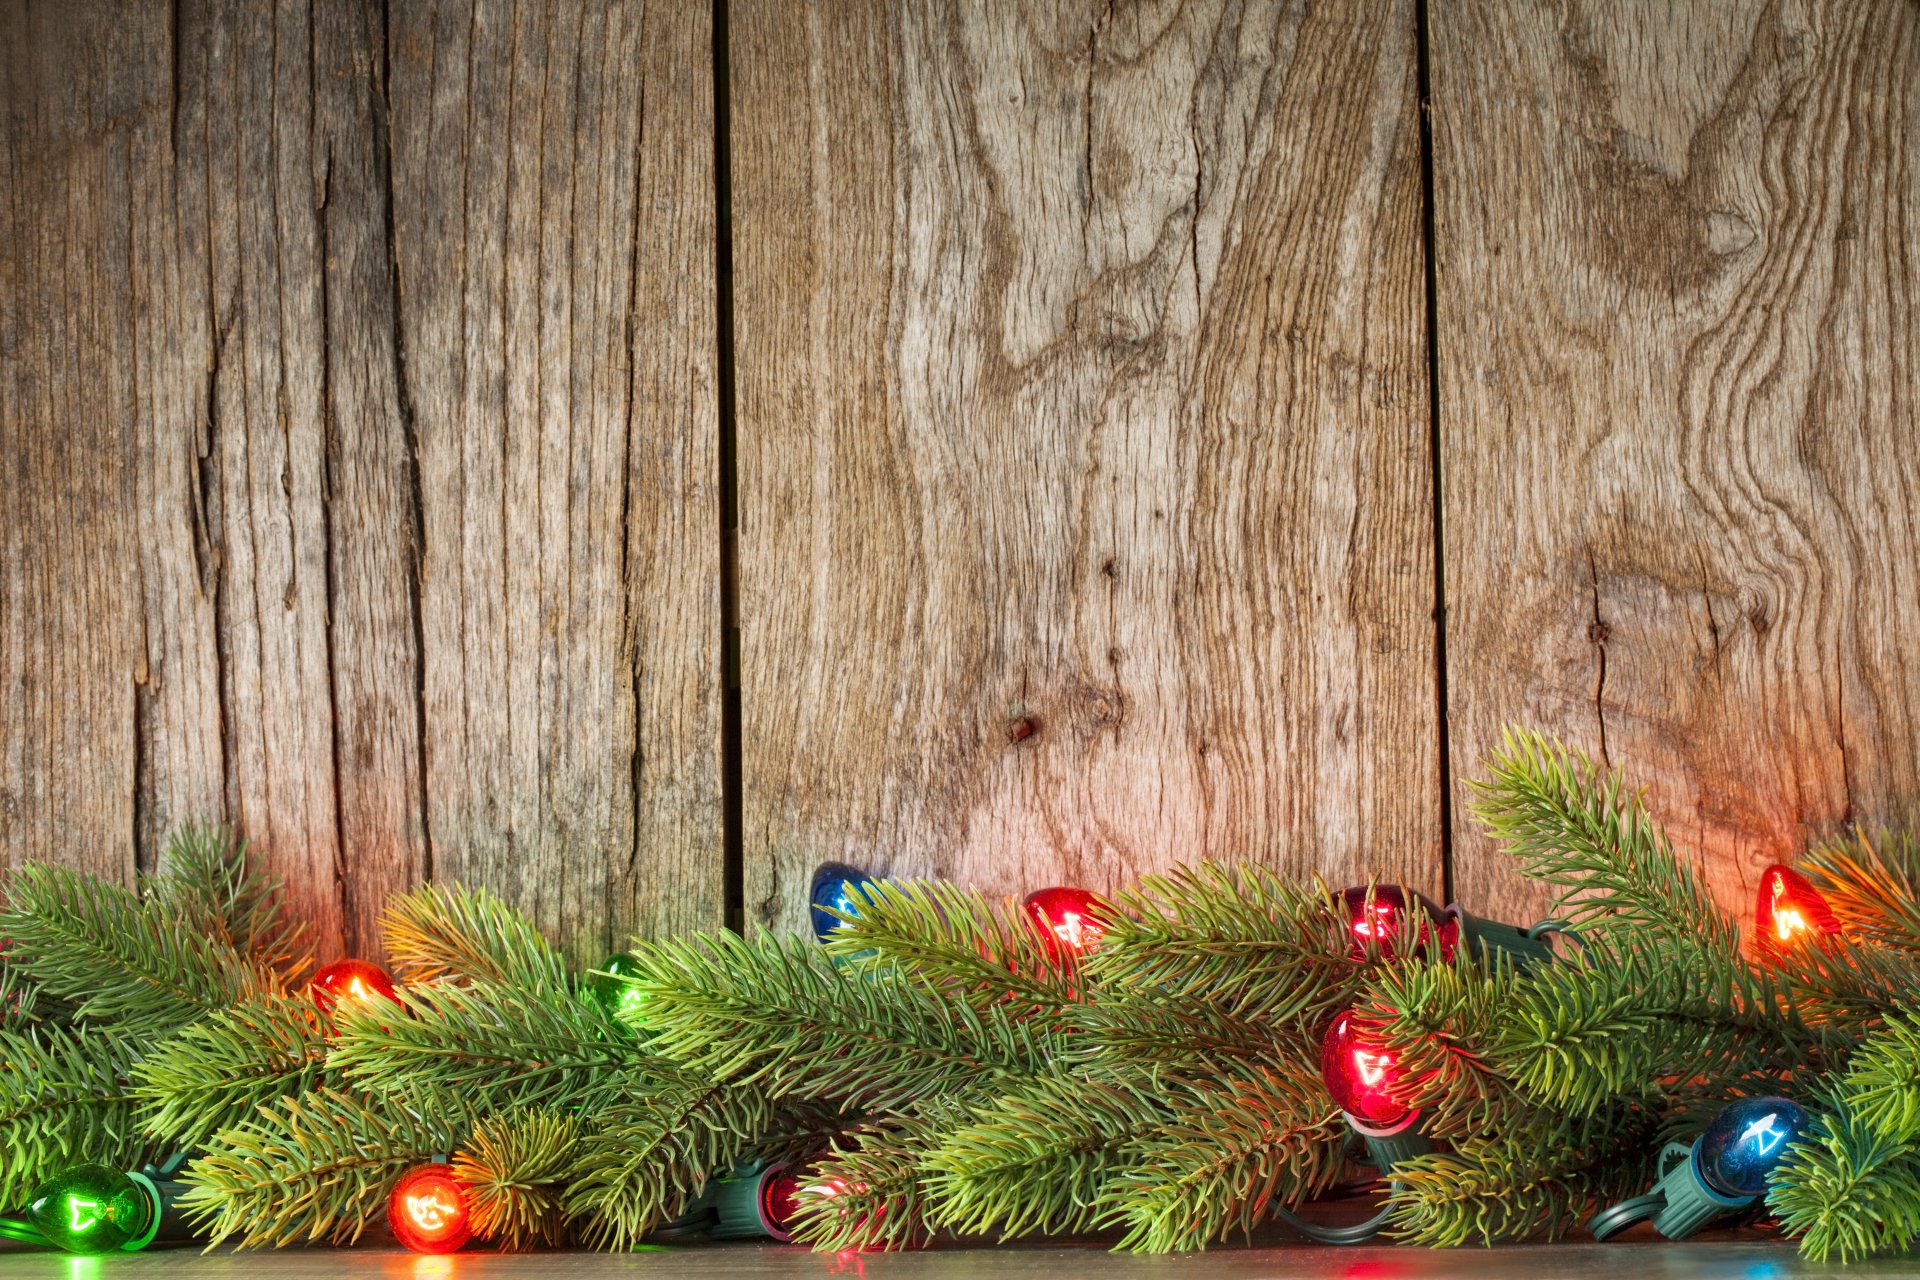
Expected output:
(1083, 441)
(360, 436)
(69, 574)
(554, 233)
(1678, 250)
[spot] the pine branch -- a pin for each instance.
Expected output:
(1870, 882)
(440, 934)
(1442, 1023)
(800, 1132)
(1607, 1024)
(1239, 1145)
(777, 1012)
(1237, 937)
(654, 1152)
(1848, 1189)
(1123, 1034)
(1542, 1179)
(515, 1167)
(1843, 986)
(1575, 826)
(209, 883)
(497, 1046)
(867, 1194)
(119, 959)
(317, 1166)
(954, 940)
(1038, 1158)
(218, 1072)
(1882, 1083)
(64, 1099)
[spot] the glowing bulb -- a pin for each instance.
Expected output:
(95, 1209)
(1359, 1075)
(1388, 921)
(354, 980)
(1744, 1143)
(610, 989)
(428, 1210)
(1067, 919)
(1790, 909)
(1763, 1133)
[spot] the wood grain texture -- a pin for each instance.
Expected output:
(1083, 441)
(1678, 250)
(359, 479)
(555, 227)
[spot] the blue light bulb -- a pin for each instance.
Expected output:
(836, 885)
(1745, 1141)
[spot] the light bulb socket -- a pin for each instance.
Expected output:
(1389, 1144)
(1680, 1203)
(1484, 938)
(732, 1208)
(159, 1204)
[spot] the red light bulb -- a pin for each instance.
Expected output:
(779, 1201)
(1387, 921)
(1359, 1075)
(1789, 909)
(1068, 919)
(348, 980)
(428, 1210)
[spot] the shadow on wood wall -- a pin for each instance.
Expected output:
(1098, 436)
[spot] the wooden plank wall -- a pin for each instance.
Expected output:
(1137, 438)
(1084, 441)
(1679, 262)
(359, 482)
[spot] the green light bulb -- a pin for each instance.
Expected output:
(94, 1209)
(611, 990)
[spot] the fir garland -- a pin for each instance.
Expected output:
(940, 1066)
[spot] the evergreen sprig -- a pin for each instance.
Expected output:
(499, 1046)
(119, 959)
(218, 1072)
(651, 1153)
(954, 940)
(64, 1099)
(777, 1012)
(317, 1166)
(441, 934)
(516, 1166)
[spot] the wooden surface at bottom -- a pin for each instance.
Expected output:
(1716, 1260)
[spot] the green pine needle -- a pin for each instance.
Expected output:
(218, 1072)
(652, 1153)
(778, 1012)
(1575, 826)
(497, 1046)
(316, 1166)
(1038, 1158)
(64, 1099)
(1237, 937)
(1870, 882)
(436, 934)
(867, 1194)
(515, 1167)
(1237, 1146)
(119, 959)
(210, 883)
(954, 940)
(1848, 1189)
(1541, 1180)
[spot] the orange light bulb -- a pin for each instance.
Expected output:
(428, 1210)
(355, 980)
(1789, 909)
